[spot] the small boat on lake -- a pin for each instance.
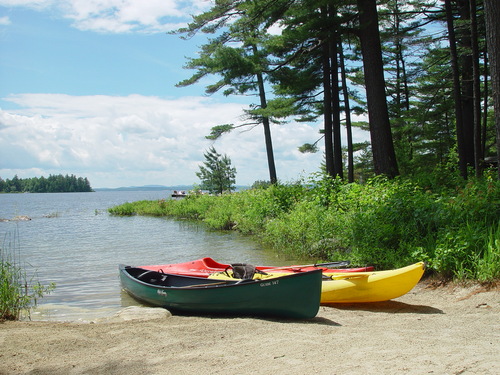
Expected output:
(358, 287)
(205, 266)
(179, 194)
(291, 296)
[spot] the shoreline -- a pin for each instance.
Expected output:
(433, 329)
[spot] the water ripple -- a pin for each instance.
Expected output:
(72, 241)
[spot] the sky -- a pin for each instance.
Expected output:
(87, 87)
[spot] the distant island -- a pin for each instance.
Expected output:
(186, 188)
(147, 188)
(51, 184)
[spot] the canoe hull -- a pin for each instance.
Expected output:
(289, 297)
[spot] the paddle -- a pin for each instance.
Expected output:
(216, 284)
(204, 285)
(331, 264)
(347, 275)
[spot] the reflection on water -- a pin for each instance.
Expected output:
(72, 240)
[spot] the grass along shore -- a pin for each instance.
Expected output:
(19, 288)
(455, 228)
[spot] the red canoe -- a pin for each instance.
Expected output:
(206, 266)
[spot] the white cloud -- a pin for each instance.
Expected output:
(4, 21)
(35, 4)
(137, 140)
(118, 16)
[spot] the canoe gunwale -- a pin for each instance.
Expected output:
(202, 280)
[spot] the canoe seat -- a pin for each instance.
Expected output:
(243, 271)
(152, 277)
(142, 275)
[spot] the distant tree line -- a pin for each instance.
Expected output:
(51, 184)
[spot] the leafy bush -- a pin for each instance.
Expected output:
(385, 223)
(294, 232)
(125, 209)
(488, 266)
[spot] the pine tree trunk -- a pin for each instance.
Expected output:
(462, 160)
(267, 133)
(327, 113)
(478, 157)
(492, 15)
(348, 123)
(384, 156)
(466, 67)
(327, 104)
(486, 98)
(267, 128)
(337, 139)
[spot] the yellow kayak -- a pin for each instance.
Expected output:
(371, 286)
(360, 287)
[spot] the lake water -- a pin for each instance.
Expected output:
(73, 241)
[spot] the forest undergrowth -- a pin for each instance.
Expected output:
(450, 224)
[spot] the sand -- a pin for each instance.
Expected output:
(432, 330)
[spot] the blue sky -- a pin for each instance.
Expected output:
(87, 87)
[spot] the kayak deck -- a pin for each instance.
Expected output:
(205, 266)
(358, 287)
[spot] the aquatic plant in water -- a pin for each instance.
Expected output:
(19, 292)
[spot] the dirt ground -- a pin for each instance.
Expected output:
(431, 330)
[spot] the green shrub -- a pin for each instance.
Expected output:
(294, 232)
(125, 209)
(458, 250)
(471, 251)
(221, 215)
(385, 223)
(488, 267)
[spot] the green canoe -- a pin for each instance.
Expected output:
(291, 296)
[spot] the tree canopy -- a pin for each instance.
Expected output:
(216, 174)
(415, 73)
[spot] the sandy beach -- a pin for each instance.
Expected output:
(432, 330)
